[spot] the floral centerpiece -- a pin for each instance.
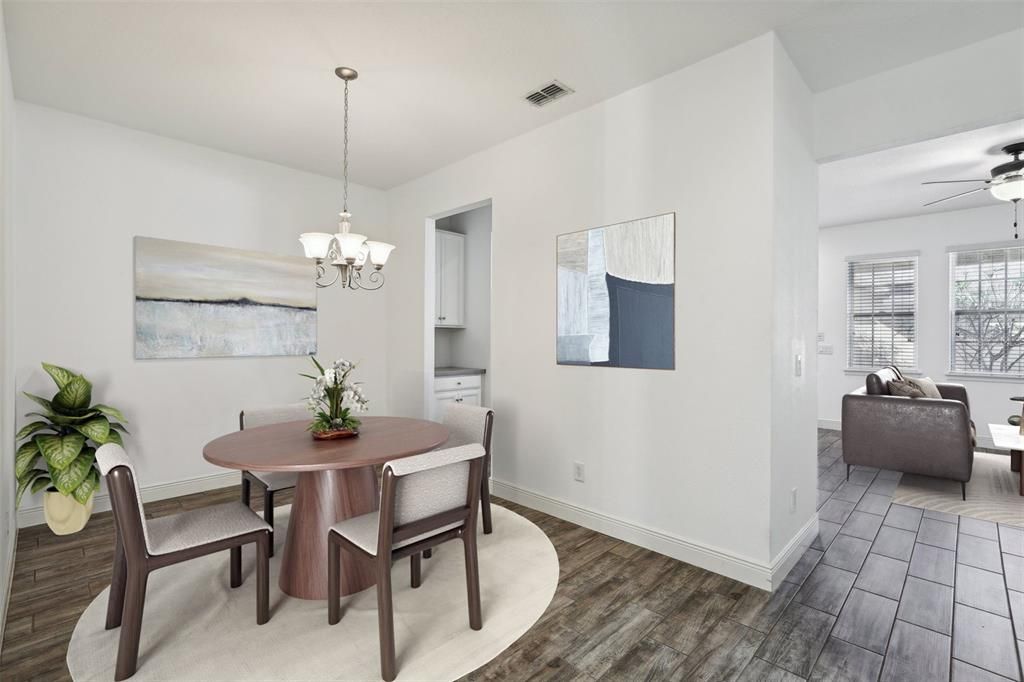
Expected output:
(335, 400)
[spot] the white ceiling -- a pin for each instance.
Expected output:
(439, 81)
(887, 184)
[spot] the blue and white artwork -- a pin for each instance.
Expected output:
(616, 295)
(196, 301)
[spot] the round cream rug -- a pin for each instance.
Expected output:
(195, 627)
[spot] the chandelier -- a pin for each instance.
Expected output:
(348, 252)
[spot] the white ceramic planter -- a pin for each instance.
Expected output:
(65, 515)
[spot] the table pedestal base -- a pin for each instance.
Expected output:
(322, 498)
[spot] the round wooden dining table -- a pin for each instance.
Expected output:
(337, 480)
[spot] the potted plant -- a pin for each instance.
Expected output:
(334, 401)
(65, 439)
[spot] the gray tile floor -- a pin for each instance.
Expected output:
(895, 593)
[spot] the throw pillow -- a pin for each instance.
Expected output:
(927, 386)
(904, 388)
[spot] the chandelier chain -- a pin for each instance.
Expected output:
(345, 154)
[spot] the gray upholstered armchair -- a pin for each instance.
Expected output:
(924, 436)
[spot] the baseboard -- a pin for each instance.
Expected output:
(791, 553)
(33, 516)
(5, 596)
(720, 561)
(830, 424)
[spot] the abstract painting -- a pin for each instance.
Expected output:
(616, 295)
(194, 301)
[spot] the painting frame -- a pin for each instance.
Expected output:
(666, 360)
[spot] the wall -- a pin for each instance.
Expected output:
(8, 531)
(85, 188)
(671, 462)
(931, 235)
(913, 103)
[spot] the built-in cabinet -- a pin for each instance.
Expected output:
(450, 287)
(463, 389)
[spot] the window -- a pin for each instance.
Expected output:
(881, 307)
(986, 293)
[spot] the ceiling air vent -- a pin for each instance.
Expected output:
(548, 93)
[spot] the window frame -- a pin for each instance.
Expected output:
(952, 371)
(908, 256)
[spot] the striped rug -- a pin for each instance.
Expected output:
(993, 493)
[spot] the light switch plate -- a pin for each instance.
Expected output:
(825, 349)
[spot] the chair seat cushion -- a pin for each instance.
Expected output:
(276, 480)
(362, 532)
(201, 526)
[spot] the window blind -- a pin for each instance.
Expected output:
(881, 324)
(986, 292)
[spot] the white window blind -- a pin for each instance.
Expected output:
(881, 323)
(987, 311)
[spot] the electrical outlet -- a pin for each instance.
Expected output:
(792, 501)
(821, 336)
(825, 349)
(577, 471)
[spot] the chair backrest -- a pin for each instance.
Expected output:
(430, 490)
(273, 415)
(468, 424)
(125, 496)
(877, 383)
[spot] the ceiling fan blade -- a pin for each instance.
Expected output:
(970, 191)
(945, 182)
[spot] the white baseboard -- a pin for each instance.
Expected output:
(744, 569)
(33, 516)
(830, 424)
(791, 553)
(5, 596)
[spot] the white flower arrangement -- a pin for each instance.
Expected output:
(334, 400)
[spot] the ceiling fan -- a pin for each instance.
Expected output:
(1006, 183)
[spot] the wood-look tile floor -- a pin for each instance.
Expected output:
(885, 593)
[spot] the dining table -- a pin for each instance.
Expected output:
(337, 479)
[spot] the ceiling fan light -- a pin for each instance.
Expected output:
(316, 244)
(1010, 189)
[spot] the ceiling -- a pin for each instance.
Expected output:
(887, 184)
(438, 81)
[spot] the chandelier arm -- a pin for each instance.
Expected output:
(374, 281)
(320, 272)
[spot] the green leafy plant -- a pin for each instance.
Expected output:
(334, 400)
(65, 438)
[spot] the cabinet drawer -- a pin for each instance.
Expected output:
(457, 382)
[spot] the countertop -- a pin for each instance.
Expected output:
(457, 371)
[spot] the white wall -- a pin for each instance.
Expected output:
(975, 86)
(931, 235)
(8, 530)
(85, 188)
(670, 461)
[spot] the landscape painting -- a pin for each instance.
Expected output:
(196, 301)
(616, 295)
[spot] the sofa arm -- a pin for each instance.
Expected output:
(955, 392)
(912, 435)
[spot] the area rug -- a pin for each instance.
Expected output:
(196, 628)
(992, 492)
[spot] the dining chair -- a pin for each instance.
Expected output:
(471, 424)
(270, 481)
(142, 546)
(425, 500)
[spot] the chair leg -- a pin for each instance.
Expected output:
(268, 514)
(427, 553)
(131, 628)
(118, 578)
(847, 472)
(485, 504)
(333, 583)
(472, 581)
(414, 568)
(236, 566)
(246, 490)
(963, 490)
(263, 579)
(385, 619)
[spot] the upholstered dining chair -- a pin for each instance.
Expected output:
(471, 424)
(425, 500)
(141, 546)
(270, 481)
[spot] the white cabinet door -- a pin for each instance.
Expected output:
(441, 400)
(470, 397)
(451, 268)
